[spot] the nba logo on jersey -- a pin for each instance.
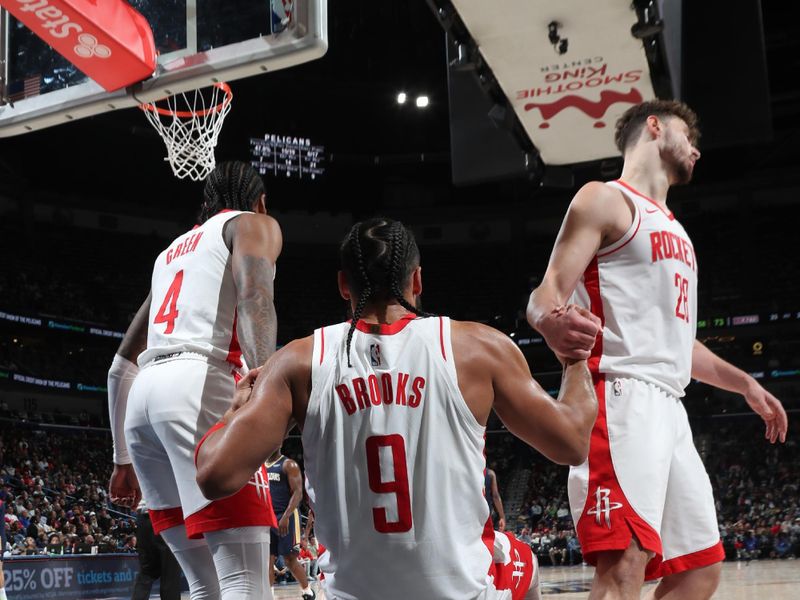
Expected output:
(375, 355)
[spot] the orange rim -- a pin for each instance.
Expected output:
(188, 114)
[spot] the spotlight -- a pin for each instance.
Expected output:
(401, 98)
(422, 101)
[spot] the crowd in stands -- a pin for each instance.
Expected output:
(54, 494)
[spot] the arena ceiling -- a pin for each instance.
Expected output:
(347, 102)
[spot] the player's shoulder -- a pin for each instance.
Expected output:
(296, 350)
(478, 335)
(599, 202)
(247, 221)
(597, 195)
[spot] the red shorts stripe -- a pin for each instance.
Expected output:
(608, 521)
(203, 439)
(249, 507)
(695, 560)
(165, 518)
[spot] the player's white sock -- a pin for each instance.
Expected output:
(241, 556)
(307, 590)
(195, 560)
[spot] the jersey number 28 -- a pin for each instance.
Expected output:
(169, 307)
(397, 486)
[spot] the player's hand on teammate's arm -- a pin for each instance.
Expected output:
(770, 409)
(124, 487)
(570, 331)
(241, 396)
(501, 524)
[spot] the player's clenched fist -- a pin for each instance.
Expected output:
(570, 331)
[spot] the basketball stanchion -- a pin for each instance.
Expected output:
(189, 123)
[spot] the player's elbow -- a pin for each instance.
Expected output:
(577, 453)
(215, 483)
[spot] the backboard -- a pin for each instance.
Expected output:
(200, 42)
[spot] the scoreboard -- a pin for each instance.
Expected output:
(287, 156)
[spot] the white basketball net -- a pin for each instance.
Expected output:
(189, 123)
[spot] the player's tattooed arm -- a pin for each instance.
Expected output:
(257, 322)
(257, 243)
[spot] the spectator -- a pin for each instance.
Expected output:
(55, 545)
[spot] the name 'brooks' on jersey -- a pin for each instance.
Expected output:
(394, 461)
(193, 307)
(644, 339)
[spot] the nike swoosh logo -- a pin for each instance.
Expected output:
(647, 210)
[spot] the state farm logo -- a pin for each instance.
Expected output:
(88, 46)
(54, 21)
(57, 24)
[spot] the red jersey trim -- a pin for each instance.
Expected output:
(612, 248)
(488, 539)
(441, 337)
(321, 344)
(669, 214)
(234, 350)
(695, 560)
(591, 281)
(386, 328)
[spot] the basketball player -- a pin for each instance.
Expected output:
(211, 312)
(286, 491)
(393, 410)
(649, 513)
(494, 500)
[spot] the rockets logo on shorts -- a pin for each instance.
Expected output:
(261, 482)
(519, 569)
(603, 506)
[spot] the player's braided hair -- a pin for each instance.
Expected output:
(378, 256)
(234, 185)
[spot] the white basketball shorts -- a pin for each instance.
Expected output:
(644, 478)
(172, 403)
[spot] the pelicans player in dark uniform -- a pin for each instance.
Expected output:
(286, 490)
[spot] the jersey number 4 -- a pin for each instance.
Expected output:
(397, 486)
(169, 307)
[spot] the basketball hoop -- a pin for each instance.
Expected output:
(189, 124)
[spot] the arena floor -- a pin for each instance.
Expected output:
(773, 579)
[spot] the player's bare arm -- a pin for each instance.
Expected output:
(295, 478)
(124, 486)
(498, 502)
(135, 340)
(493, 373)
(597, 216)
(228, 457)
(255, 241)
(713, 370)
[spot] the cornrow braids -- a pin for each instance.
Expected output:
(378, 256)
(234, 185)
(397, 275)
(366, 291)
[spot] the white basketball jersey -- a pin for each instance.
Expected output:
(644, 289)
(193, 306)
(395, 465)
